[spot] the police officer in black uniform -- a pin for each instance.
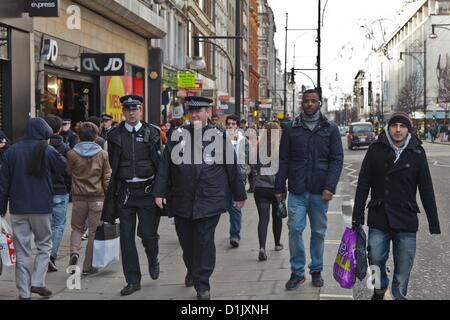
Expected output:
(195, 190)
(134, 153)
(106, 125)
(70, 138)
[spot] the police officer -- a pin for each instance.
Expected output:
(195, 190)
(134, 154)
(70, 138)
(106, 125)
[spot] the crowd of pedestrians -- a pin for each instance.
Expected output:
(130, 173)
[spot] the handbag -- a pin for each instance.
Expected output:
(282, 209)
(106, 245)
(344, 268)
(7, 252)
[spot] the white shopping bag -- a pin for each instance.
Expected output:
(7, 252)
(106, 245)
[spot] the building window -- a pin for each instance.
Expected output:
(4, 43)
(444, 7)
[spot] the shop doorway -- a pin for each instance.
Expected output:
(71, 98)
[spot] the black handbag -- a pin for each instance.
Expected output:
(107, 231)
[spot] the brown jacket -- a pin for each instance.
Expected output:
(90, 175)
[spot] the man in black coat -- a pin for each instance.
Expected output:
(311, 159)
(134, 154)
(194, 180)
(393, 168)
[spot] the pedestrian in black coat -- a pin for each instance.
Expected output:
(394, 167)
(197, 191)
(4, 145)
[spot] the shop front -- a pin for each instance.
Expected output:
(15, 75)
(64, 90)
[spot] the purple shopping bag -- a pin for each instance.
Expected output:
(344, 268)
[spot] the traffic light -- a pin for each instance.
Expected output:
(292, 75)
(434, 118)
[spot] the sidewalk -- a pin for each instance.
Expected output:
(238, 274)
(437, 141)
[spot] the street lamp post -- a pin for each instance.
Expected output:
(200, 63)
(424, 70)
(318, 40)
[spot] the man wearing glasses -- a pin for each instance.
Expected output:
(311, 158)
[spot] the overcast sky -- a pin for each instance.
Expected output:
(344, 44)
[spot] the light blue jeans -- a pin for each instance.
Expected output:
(298, 207)
(404, 252)
(60, 203)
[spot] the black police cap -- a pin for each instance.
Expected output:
(106, 117)
(131, 100)
(197, 102)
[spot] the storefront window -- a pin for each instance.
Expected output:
(67, 98)
(4, 44)
(444, 7)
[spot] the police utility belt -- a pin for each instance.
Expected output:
(146, 185)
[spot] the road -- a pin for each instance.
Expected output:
(430, 277)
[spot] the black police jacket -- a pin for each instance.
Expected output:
(393, 186)
(147, 136)
(198, 190)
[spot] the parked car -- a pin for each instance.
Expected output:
(360, 134)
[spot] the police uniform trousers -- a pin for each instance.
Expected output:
(196, 238)
(138, 203)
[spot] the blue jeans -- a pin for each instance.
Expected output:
(235, 219)
(316, 208)
(404, 251)
(60, 203)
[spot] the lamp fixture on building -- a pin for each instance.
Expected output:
(443, 26)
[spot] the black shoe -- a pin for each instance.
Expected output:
(154, 271)
(205, 295)
(42, 291)
(262, 255)
(90, 271)
(234, 242)
(73, 259)
(129, 289)
(188, 280)
(317, 279)
(52, 265)
(378, 295)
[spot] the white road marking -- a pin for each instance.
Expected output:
(437, 164)
(335, 296)
(332, 241)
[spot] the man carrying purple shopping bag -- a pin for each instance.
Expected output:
(393, 168)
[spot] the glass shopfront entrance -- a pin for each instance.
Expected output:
(70, 96)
